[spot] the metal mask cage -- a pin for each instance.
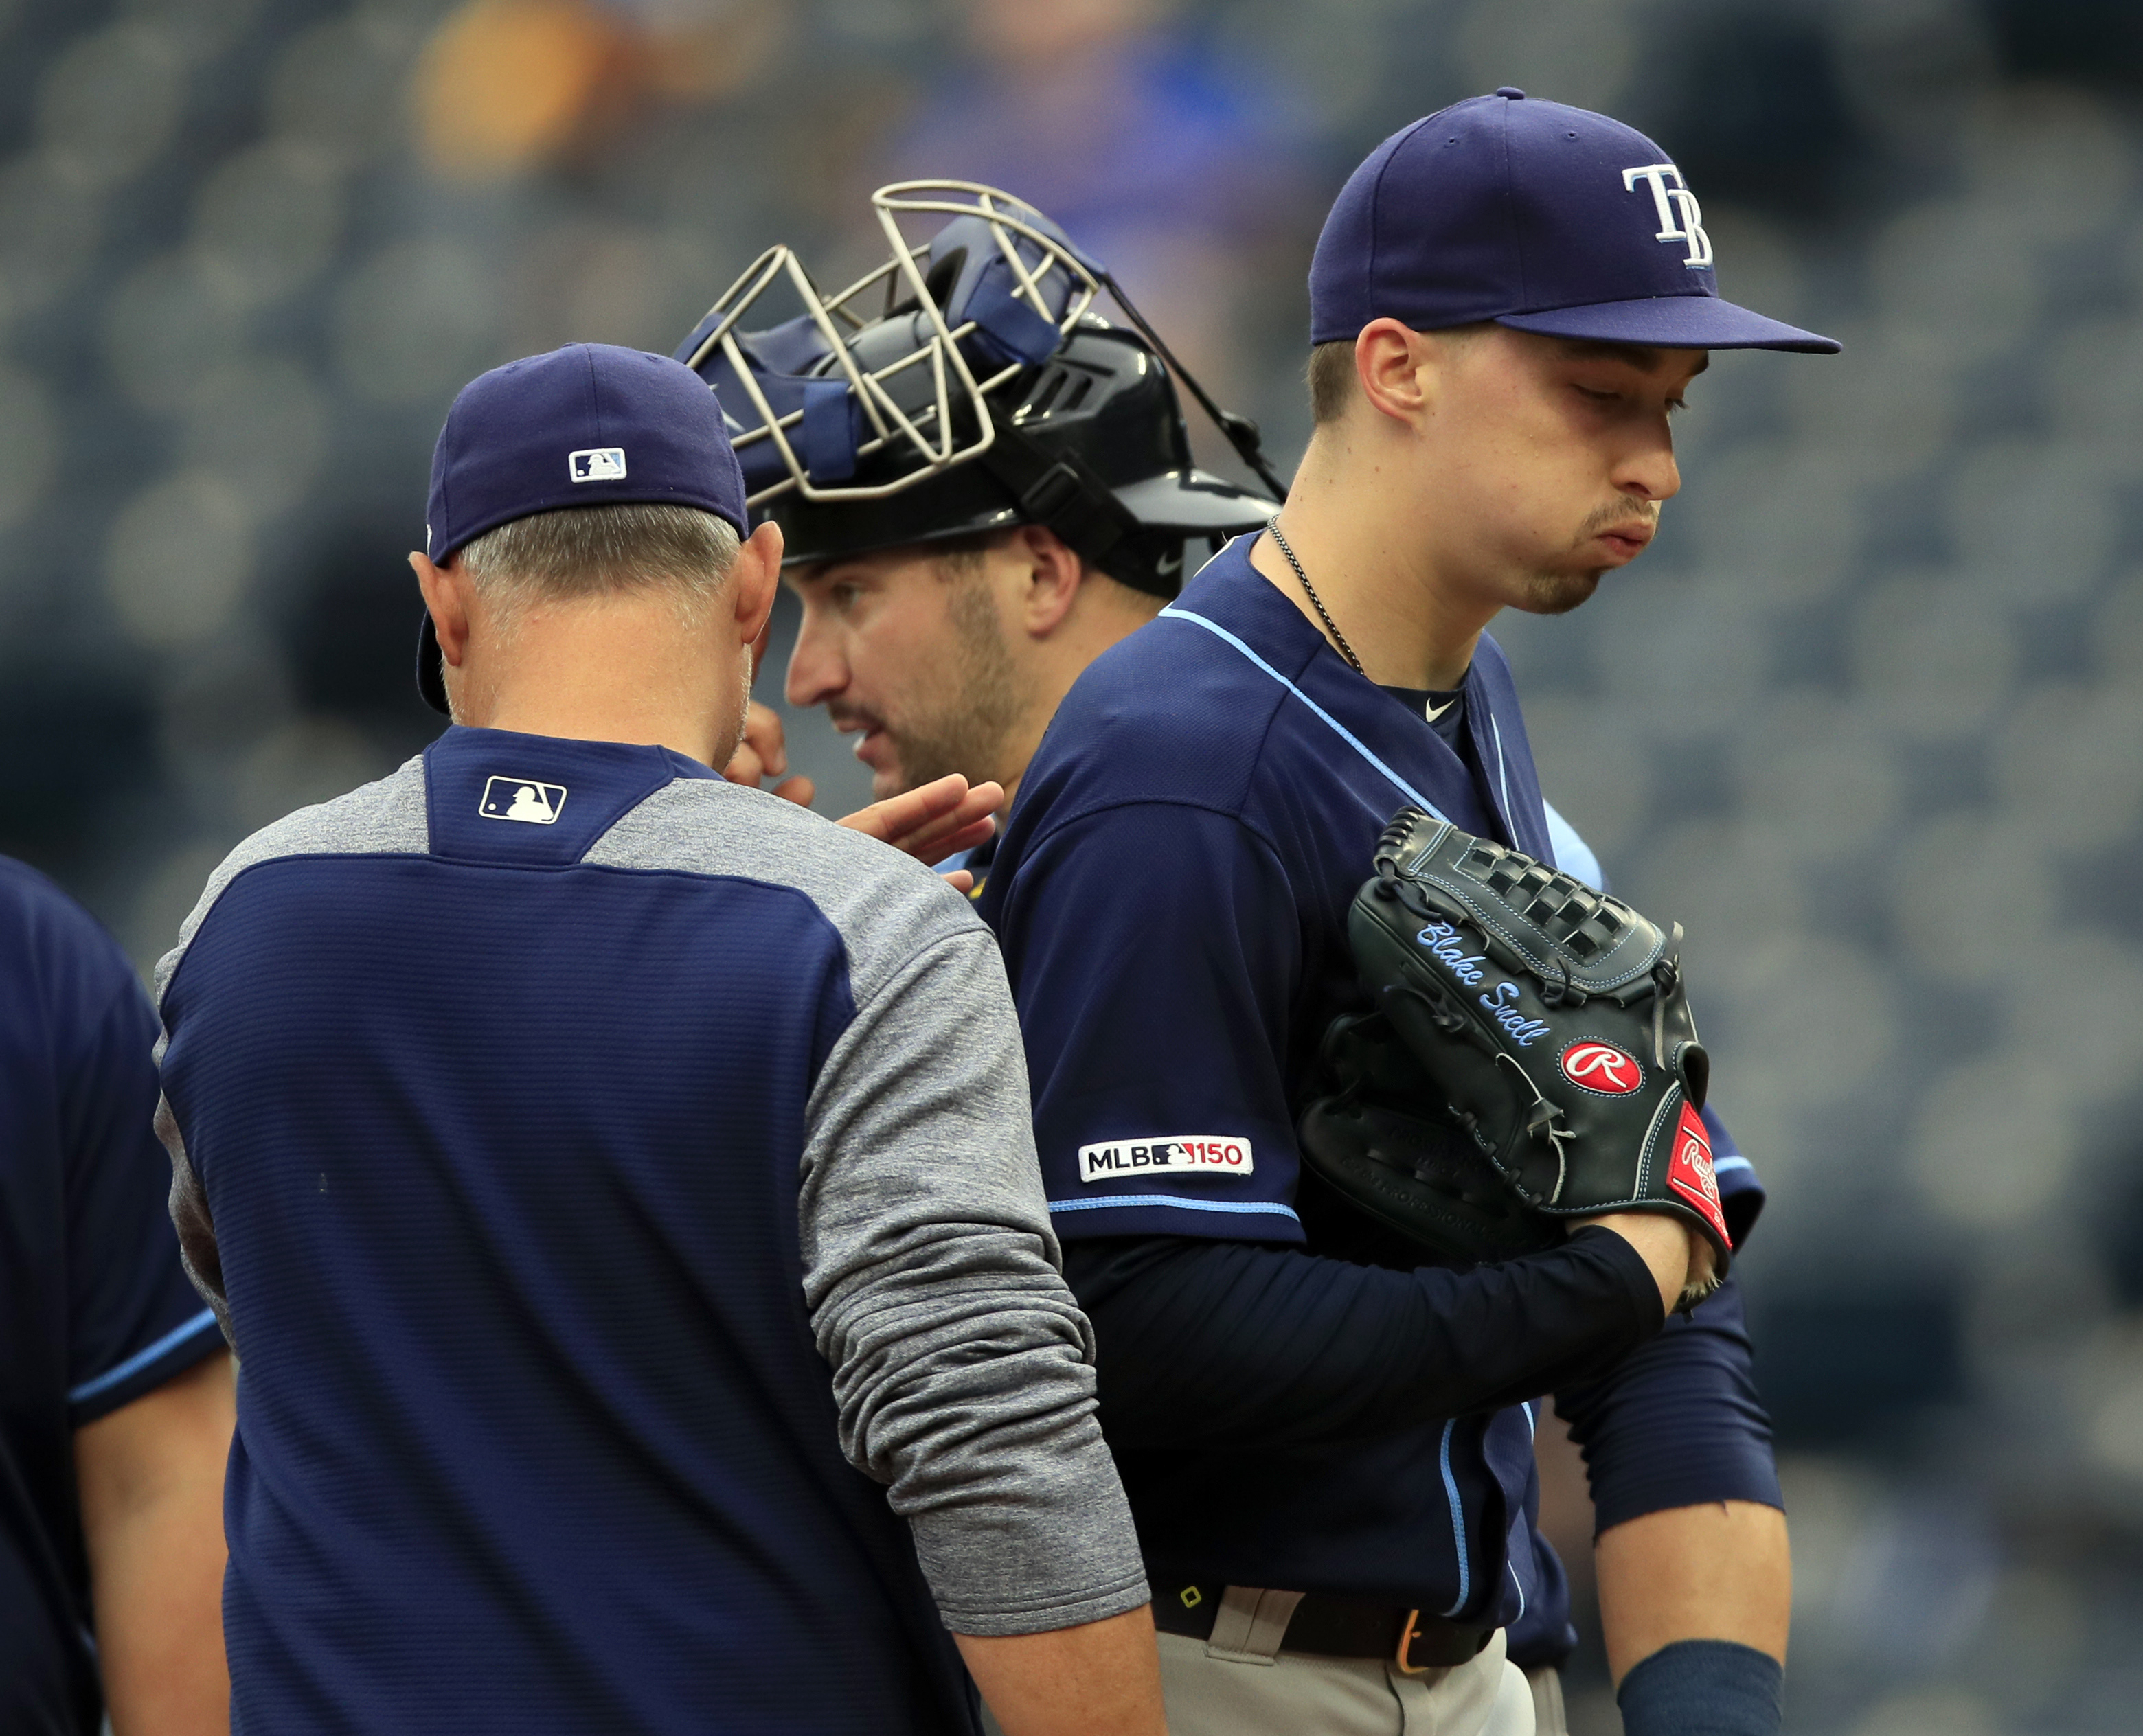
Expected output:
(1047, 278)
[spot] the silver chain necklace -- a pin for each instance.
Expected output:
(1316, 602)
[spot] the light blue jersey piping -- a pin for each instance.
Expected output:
(1458, 1520)
(1502, 774)
(1172, 613)
(1509, 1566)
(1188, 1206)
(141, 1358)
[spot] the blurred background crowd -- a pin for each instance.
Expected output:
(1868, 719)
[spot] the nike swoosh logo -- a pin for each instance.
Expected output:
(1433, 712)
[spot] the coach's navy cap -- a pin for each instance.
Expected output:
(1536, 215)
(590, 425)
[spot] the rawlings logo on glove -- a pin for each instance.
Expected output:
(1603, 1068)
(1531, 1056)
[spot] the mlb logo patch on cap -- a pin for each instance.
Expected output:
(497, 456)
(521, 799)
(597, 464)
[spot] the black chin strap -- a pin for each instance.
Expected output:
(1065, 495)
(1241, 432)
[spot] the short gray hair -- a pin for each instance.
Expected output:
(583, 552)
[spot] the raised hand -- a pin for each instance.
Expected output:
(935, 821)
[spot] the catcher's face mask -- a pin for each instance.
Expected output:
(964, 386)
(902, 361)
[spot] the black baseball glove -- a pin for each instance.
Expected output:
(1530, 1058)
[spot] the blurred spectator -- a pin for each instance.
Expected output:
(508, 85)
(1156, 157)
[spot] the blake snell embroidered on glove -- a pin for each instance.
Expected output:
(1531, 1056)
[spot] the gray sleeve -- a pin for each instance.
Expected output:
(963, 1366)
(385, 818)
(198, 1252)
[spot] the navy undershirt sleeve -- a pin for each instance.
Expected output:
(1679, 1424)
(1691, 1389)
(1204, 1341)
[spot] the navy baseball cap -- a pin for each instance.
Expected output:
(1536, 215)
(590, 425)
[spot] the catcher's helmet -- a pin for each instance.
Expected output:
(980, 391)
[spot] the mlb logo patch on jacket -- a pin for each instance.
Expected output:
(521, 799)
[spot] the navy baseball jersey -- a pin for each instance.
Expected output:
(95, 1310)
(1171, 896)
(611, 1174)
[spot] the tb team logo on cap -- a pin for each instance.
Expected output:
(597, 464)
(1534, 214)
(521, 799)
(1681, 219)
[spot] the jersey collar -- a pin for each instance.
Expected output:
(537, 801)
(1235, 603)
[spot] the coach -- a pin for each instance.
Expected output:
(609, 1174)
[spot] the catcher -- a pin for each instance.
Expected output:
(952, 589)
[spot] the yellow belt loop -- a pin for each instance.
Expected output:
(1406, 1645)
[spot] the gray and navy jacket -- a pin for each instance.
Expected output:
(610, 1177)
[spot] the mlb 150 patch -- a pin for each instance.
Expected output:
(521, 799)
(1183, 1154)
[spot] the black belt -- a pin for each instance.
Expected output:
(1333, 1627)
